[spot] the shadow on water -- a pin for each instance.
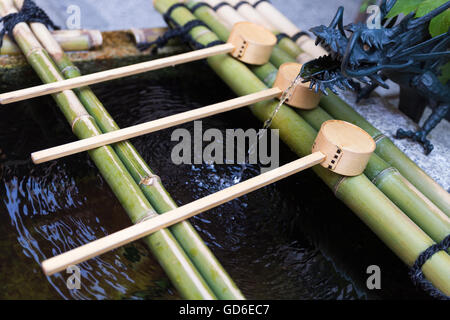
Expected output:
(290, 240)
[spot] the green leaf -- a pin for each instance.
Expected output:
(445, 70)
(440, 24)
(428, 6)
(405, 7)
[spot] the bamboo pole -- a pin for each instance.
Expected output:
(278, 54)
(380, 214)
(69, 40)
(78, 40)
(248, 13)
(150, 184)
(151, 126)
(167, 251)
(341, 110)
(133, 233)
(230, 17)
(411, 201)
(284, 25)
(108, 75)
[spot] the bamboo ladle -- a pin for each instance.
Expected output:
(340, 146)
(151, 126)
(300, 97)
(248, 42)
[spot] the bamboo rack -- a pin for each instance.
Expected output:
(414, 238)
(423, 212)
(404, 237)
(151, 126)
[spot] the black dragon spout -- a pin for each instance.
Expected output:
(403, 52)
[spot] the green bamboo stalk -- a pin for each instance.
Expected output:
(390, 153)
(170, 255)
(381, 215)
(290, 47)
(411, 201)
(150, 184)
(340, 110)
(69, 40)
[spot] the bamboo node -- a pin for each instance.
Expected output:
(33, 51)
(379, 137)
(338, 184)
(81, 117)
(383, 173)
(150, 180)
(69, 68)
(147, 216)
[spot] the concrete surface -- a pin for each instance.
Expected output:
(119, 14)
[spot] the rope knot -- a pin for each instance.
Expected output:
(178, 31)
(416, 272)
(30, 12)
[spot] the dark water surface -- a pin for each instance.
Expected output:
(290, 240)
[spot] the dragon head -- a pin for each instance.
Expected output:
(355, 52)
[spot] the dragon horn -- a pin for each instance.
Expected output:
(385, 7)
(338, 20)
(422, 20)
(345, 61)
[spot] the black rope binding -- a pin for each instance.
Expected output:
(178, 31)
(281, 36)
(30, 12)
(199, 5)
(259, 2)
(298, 35)
(240, 3)
(220, 5)
(416, 272)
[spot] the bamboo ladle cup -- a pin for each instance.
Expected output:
(340, 146)
(248, 42)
